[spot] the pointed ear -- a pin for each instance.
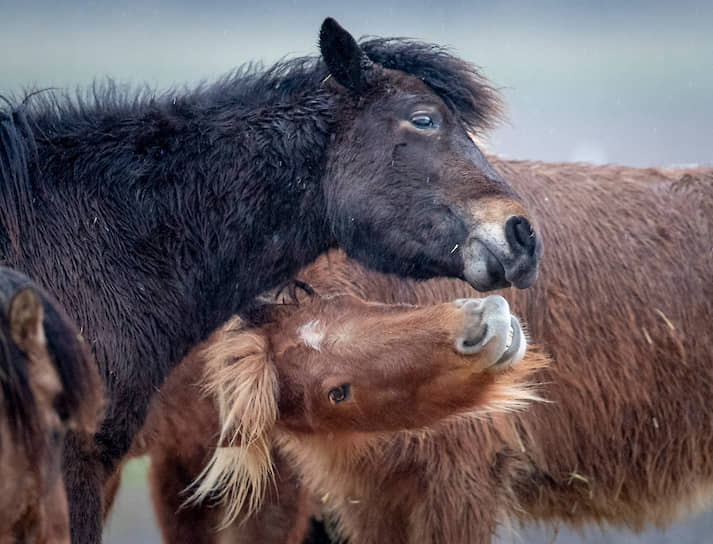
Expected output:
(25, 314)
(346, 62)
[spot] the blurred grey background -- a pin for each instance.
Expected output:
(607, 81)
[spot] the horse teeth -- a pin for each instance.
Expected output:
(510, 335)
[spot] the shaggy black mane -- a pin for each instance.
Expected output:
(457, 82)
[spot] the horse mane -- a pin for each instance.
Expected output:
(82, 390)
(457, 82)
(244, 385)
(17, 150)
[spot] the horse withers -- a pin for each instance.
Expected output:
(48, 385)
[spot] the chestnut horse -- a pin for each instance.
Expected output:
(331, 376)
(154, 219)
(48, 384)
(627, 437)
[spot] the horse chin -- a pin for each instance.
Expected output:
(490, 263)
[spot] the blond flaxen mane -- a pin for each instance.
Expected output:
(243, 382)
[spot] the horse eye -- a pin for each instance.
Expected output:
(338, 394)
(422, 121)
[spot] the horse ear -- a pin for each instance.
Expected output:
(346, 62)
(25, 315)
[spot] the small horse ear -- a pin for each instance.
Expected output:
(25, 314)
(346, 62)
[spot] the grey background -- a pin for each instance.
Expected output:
(628, 83)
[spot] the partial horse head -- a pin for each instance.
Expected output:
(49, 385)
(407, 189)
(340, 367)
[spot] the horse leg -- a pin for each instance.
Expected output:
(282, 519)
(93, 464)
(169, 477)
(84, 475)
(285, 514)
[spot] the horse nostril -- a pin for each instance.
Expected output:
(477, 339)
(520, 234)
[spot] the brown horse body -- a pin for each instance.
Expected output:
(627, 435)
(391, 367)
(623, 305)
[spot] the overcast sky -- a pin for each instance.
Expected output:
(590, 81)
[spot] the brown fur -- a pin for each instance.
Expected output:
(404, 371)
(623, 304)
(628, 435)
(33, 502)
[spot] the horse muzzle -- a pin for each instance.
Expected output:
(497, 256)
(491, 331)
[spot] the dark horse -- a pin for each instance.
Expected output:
(48, 384)
(153, 219)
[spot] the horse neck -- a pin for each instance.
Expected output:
(199, 209)
(331, 460)
(274, 223)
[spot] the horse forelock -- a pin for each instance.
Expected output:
(468, 94)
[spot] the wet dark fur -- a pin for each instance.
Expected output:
(123, 205)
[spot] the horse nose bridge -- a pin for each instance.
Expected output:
(494, 210)
(507, 220)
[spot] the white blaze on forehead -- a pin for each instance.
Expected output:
(312, 334)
